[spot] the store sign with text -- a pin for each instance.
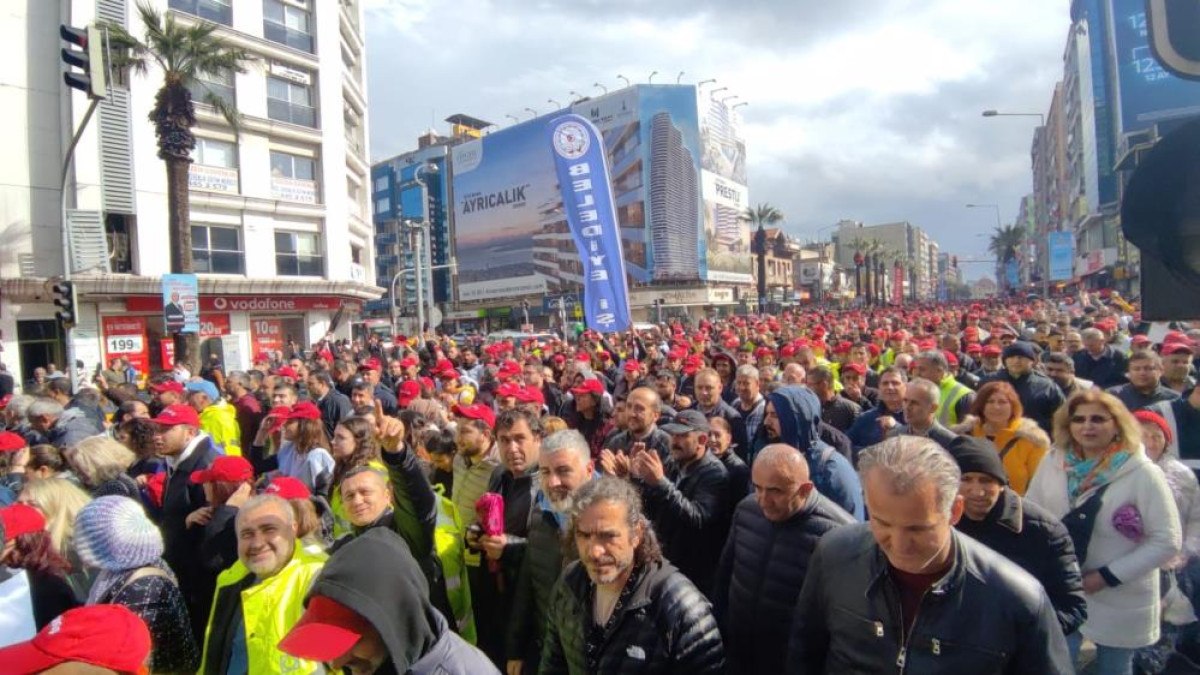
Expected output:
(125, 337)
(266, 335)
(248, 303)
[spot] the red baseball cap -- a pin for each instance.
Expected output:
(279, 416)
(787, 350)
(476, 411)
(855, 368)
(10, 441)
(287, 371)
(325, 632)
(974, 348)
(409, 362)
(951, 357)
(304, 410)
(631, 365)
(177, 414)
(407, 391)
(590, 386)
(108, 636)
(226, 469)
(582, 357)
(531, 395)
(1140, 340)
(508, 389)
(20, 519)
(509, 369)
(370, 364)
(991, 350)
(5, 400)
(287, 487)
(169, 385)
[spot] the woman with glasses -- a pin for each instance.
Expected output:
(1121, 516)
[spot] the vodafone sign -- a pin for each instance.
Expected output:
(245, 303)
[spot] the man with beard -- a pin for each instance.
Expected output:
(622, 608)
(259, 598)
(687, 497)
(565, 465)
(792, 416)
(519, 441)
(641, 417)
(1061, 368)
(586, 412)
(186, 449)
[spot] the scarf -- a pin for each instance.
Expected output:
(1083, 473)
(110, 582)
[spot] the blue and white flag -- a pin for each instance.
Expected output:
(582, 168)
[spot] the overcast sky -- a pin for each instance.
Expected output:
(860, 109)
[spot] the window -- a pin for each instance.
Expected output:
(284, 165)
(219, 11)
(211, 152)
(289, 101)
(219, 84)
(287, 23)
(381, 184)
(383, 205)
(217, 250)
(298, 254)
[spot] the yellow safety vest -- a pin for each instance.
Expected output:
(269, 610)
(448, 541)
(951, 392)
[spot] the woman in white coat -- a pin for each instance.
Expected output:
(1121, 515)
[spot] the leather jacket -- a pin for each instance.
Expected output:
(986, 615)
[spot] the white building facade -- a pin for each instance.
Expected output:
(282, 240)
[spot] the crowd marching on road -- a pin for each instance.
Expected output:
(999, 487)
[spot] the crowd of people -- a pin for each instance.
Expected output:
(1001, 487)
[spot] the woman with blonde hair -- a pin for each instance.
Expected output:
(60, 500)
(997, 415)
(1121, 516)
(101, 463)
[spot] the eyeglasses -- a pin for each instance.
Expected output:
(1094, 419)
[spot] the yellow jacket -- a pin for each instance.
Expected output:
(219, 420)
(1028, 446)
(269, 610)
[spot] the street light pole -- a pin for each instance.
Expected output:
(994, 113)
(761, 238)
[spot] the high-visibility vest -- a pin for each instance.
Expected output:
(449, 542)
(951, 392)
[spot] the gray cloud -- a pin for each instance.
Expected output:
(859, 109)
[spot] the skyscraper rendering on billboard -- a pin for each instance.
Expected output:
(674, 202)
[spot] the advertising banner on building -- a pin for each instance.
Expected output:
(125, 337)
(723, 181)
(511, 236)
(1062, 256)
(181, 303)
(266, 335)
(1147, 93)
(579, 160)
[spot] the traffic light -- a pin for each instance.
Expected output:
(64, 302)
(1160, 214)
(89, 58)
(1175, 35)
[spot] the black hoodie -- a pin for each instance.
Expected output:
(394, 598)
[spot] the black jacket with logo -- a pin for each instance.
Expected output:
(666, 627)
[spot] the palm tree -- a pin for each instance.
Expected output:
(1005, 244)
(762, 216)
(185, 54)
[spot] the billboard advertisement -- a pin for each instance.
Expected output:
(181, 303)
(510, 231)
(1062, 256)
(1147, 93)
(723, 180)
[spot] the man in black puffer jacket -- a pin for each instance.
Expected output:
(1025, 533)
(909, 594)
(651, 618)
(766, 558)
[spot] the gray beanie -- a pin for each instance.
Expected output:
(113, 534)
